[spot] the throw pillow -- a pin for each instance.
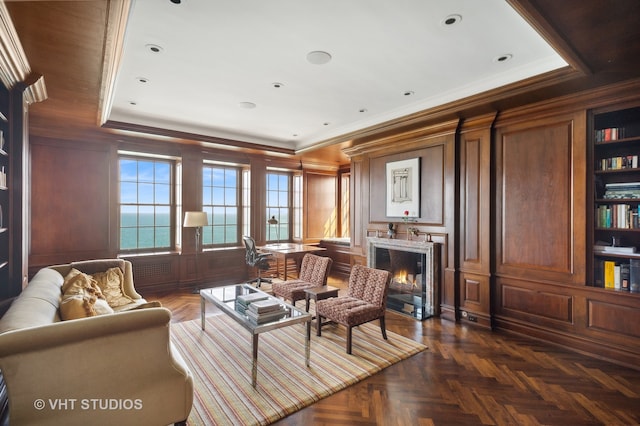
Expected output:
(111, 283)
(78, 296)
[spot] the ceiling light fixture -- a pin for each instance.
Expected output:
(318, 57)
(154, 48)
(503, 58)
(451, 20)
(408, 93)
(142, 79)
(277, 85)
(247, 105)
(176, 1)
(362, 110)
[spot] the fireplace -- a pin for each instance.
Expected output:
(414, 274)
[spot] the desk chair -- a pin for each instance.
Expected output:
(260, 261)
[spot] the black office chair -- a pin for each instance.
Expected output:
(260, 261)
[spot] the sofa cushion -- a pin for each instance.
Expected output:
(37, 304)
(110, 283)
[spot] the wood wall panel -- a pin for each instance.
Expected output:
(321, 206)
(471, 212)
(540, 196)
(614, 318)
(474, 219)
(70, 205)
(536, 199)
(432, 191)
(544, 304)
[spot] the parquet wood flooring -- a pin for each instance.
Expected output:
(471, 376)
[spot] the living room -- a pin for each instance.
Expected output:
(491, 166)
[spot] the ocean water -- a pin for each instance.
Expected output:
(137, 231)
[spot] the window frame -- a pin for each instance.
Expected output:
(271, 234)
(209, 208)
(173, 183)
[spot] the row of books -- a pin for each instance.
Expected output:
(618, 163)
(622, 190)
(621, 216)
(610, 134)
(623, 276)
(259, 308)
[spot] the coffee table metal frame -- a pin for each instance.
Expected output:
(225, 297)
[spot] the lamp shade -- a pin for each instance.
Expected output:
(195, 219)
(272, 221)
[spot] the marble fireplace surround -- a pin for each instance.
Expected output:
(428, 287)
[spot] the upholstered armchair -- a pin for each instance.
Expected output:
(365, 301)
(314, 271)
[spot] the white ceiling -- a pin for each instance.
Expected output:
(217, 54)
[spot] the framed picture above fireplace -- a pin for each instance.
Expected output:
(403, 188)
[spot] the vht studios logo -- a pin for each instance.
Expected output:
(97, 404)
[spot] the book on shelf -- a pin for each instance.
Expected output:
(609, 274)
(622, 216)
(625, 275)
(618, 163)
(622, 190)
(609, 134)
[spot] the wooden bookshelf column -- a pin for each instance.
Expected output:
(615, 136)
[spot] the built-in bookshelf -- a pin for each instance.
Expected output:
(615, 236)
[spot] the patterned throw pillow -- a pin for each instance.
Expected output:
(111, 283)
(81, 297)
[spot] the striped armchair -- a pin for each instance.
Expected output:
(365, 301)
(314, 271)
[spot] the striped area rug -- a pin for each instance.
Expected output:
(220, 361)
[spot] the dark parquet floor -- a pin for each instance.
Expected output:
(471, 376)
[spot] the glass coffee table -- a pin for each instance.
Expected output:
(234, 301)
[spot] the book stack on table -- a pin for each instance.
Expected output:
(263, 311)
(243, 301)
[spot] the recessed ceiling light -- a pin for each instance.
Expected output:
(451, 20)
(277, 85)
(362, 110)
(503, 58)
(142, 79)
(408, 93)
(247, 105)
(154, 48)
(133, 103)
(176, 1)
(325, 124)
(318, 57)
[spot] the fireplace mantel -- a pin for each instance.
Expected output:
(415, 246)
(422, 301)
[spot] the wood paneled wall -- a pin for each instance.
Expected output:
(74, 209)
(320, 201)
(435, 146)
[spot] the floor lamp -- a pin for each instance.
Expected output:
(196, 220)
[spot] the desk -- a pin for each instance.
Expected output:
(289, 251)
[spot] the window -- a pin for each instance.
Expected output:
(278, 205)
(221, 202)
(147, 204)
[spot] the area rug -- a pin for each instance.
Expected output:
(220, 361)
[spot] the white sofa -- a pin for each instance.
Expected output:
(118, 368)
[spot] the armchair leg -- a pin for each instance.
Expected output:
(383, 328)
(349, 339)
(318, 325)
